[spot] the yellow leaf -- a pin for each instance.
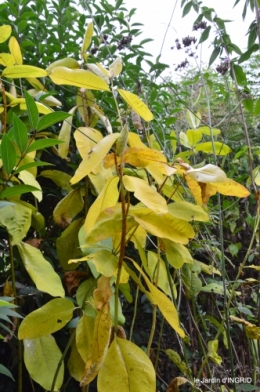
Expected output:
(59, 178)
(87, 38)
(177, 254)
(23, 71)
(65, 134)
(36, 84)
(15, 50)
(48, 100)
(105, 262)
(46, 320)
(115, 68)
(252, 332)
(151, 269)
(102, 117)
(135, 141)
(107, 198)
(188, 211)
(95, 69)
(42, 109)
(220, 148)
(84, 335)
(86, 138)
(167, 227)
(209, 269)
(255, 267)
(7, 59)
(78, 78)
(67, 62)
(41, 358)
(100, 342)
(142, 157)
(146, 194)
(28, 178)
(40, 270)
(136, 104)
(133, 369)
(184, 139)
(193, 119)
(94, 157)
(207, 131)
(166, 307)
(231, 188)
(5, 32)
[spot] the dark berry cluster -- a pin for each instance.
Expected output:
(124, 41)
(223, 67)
(187, 41)
(182, 65)
(94, 50)
(200, 25)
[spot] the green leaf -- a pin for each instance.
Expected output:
(46, 320)
(17, 190)
(248, 105)
(43, 143)
(246, 56)
(214, 55)
(257, 107)
(17, 221)
(67, 245)
(240, 75)
(52, 118)
(187, 8)
(20, 133)
(6, 372)
(133, 367)
(40, 270)
(177, 254)
(205, 35)
(31, 110)
(41, 358)
(8, 154)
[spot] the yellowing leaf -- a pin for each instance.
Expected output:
(105, 262)
(134, 370)
(100, 342)
(107, 198)
(36, 84)
(42, 109)
(46, 320)
(188, 211)
(146, 194)
(40, 270)
(142, 157)
(41, 358)
(231, 188)
(6, 59)
(207, 131)
(193, 119)
(5, 32)
(67, 62)
(136, 104)
(94, 157)
(60, 178)
(220, 148)
(151, 269)
(15, 50)
(166, 307)
(65, 134)
(17, 221)
(115, 68)
(28, 178)
(209, 269)
(23, 71)
(212, 352)
(252, 332)
(78, 78)
(76, 365)
(177, 254)
(167, 227)
(194, 136)
(87, 38)
(84, 335)
(68, 208)
(184, 140)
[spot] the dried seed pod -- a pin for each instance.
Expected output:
(137, 123)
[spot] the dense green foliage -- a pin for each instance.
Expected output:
(129, 205)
